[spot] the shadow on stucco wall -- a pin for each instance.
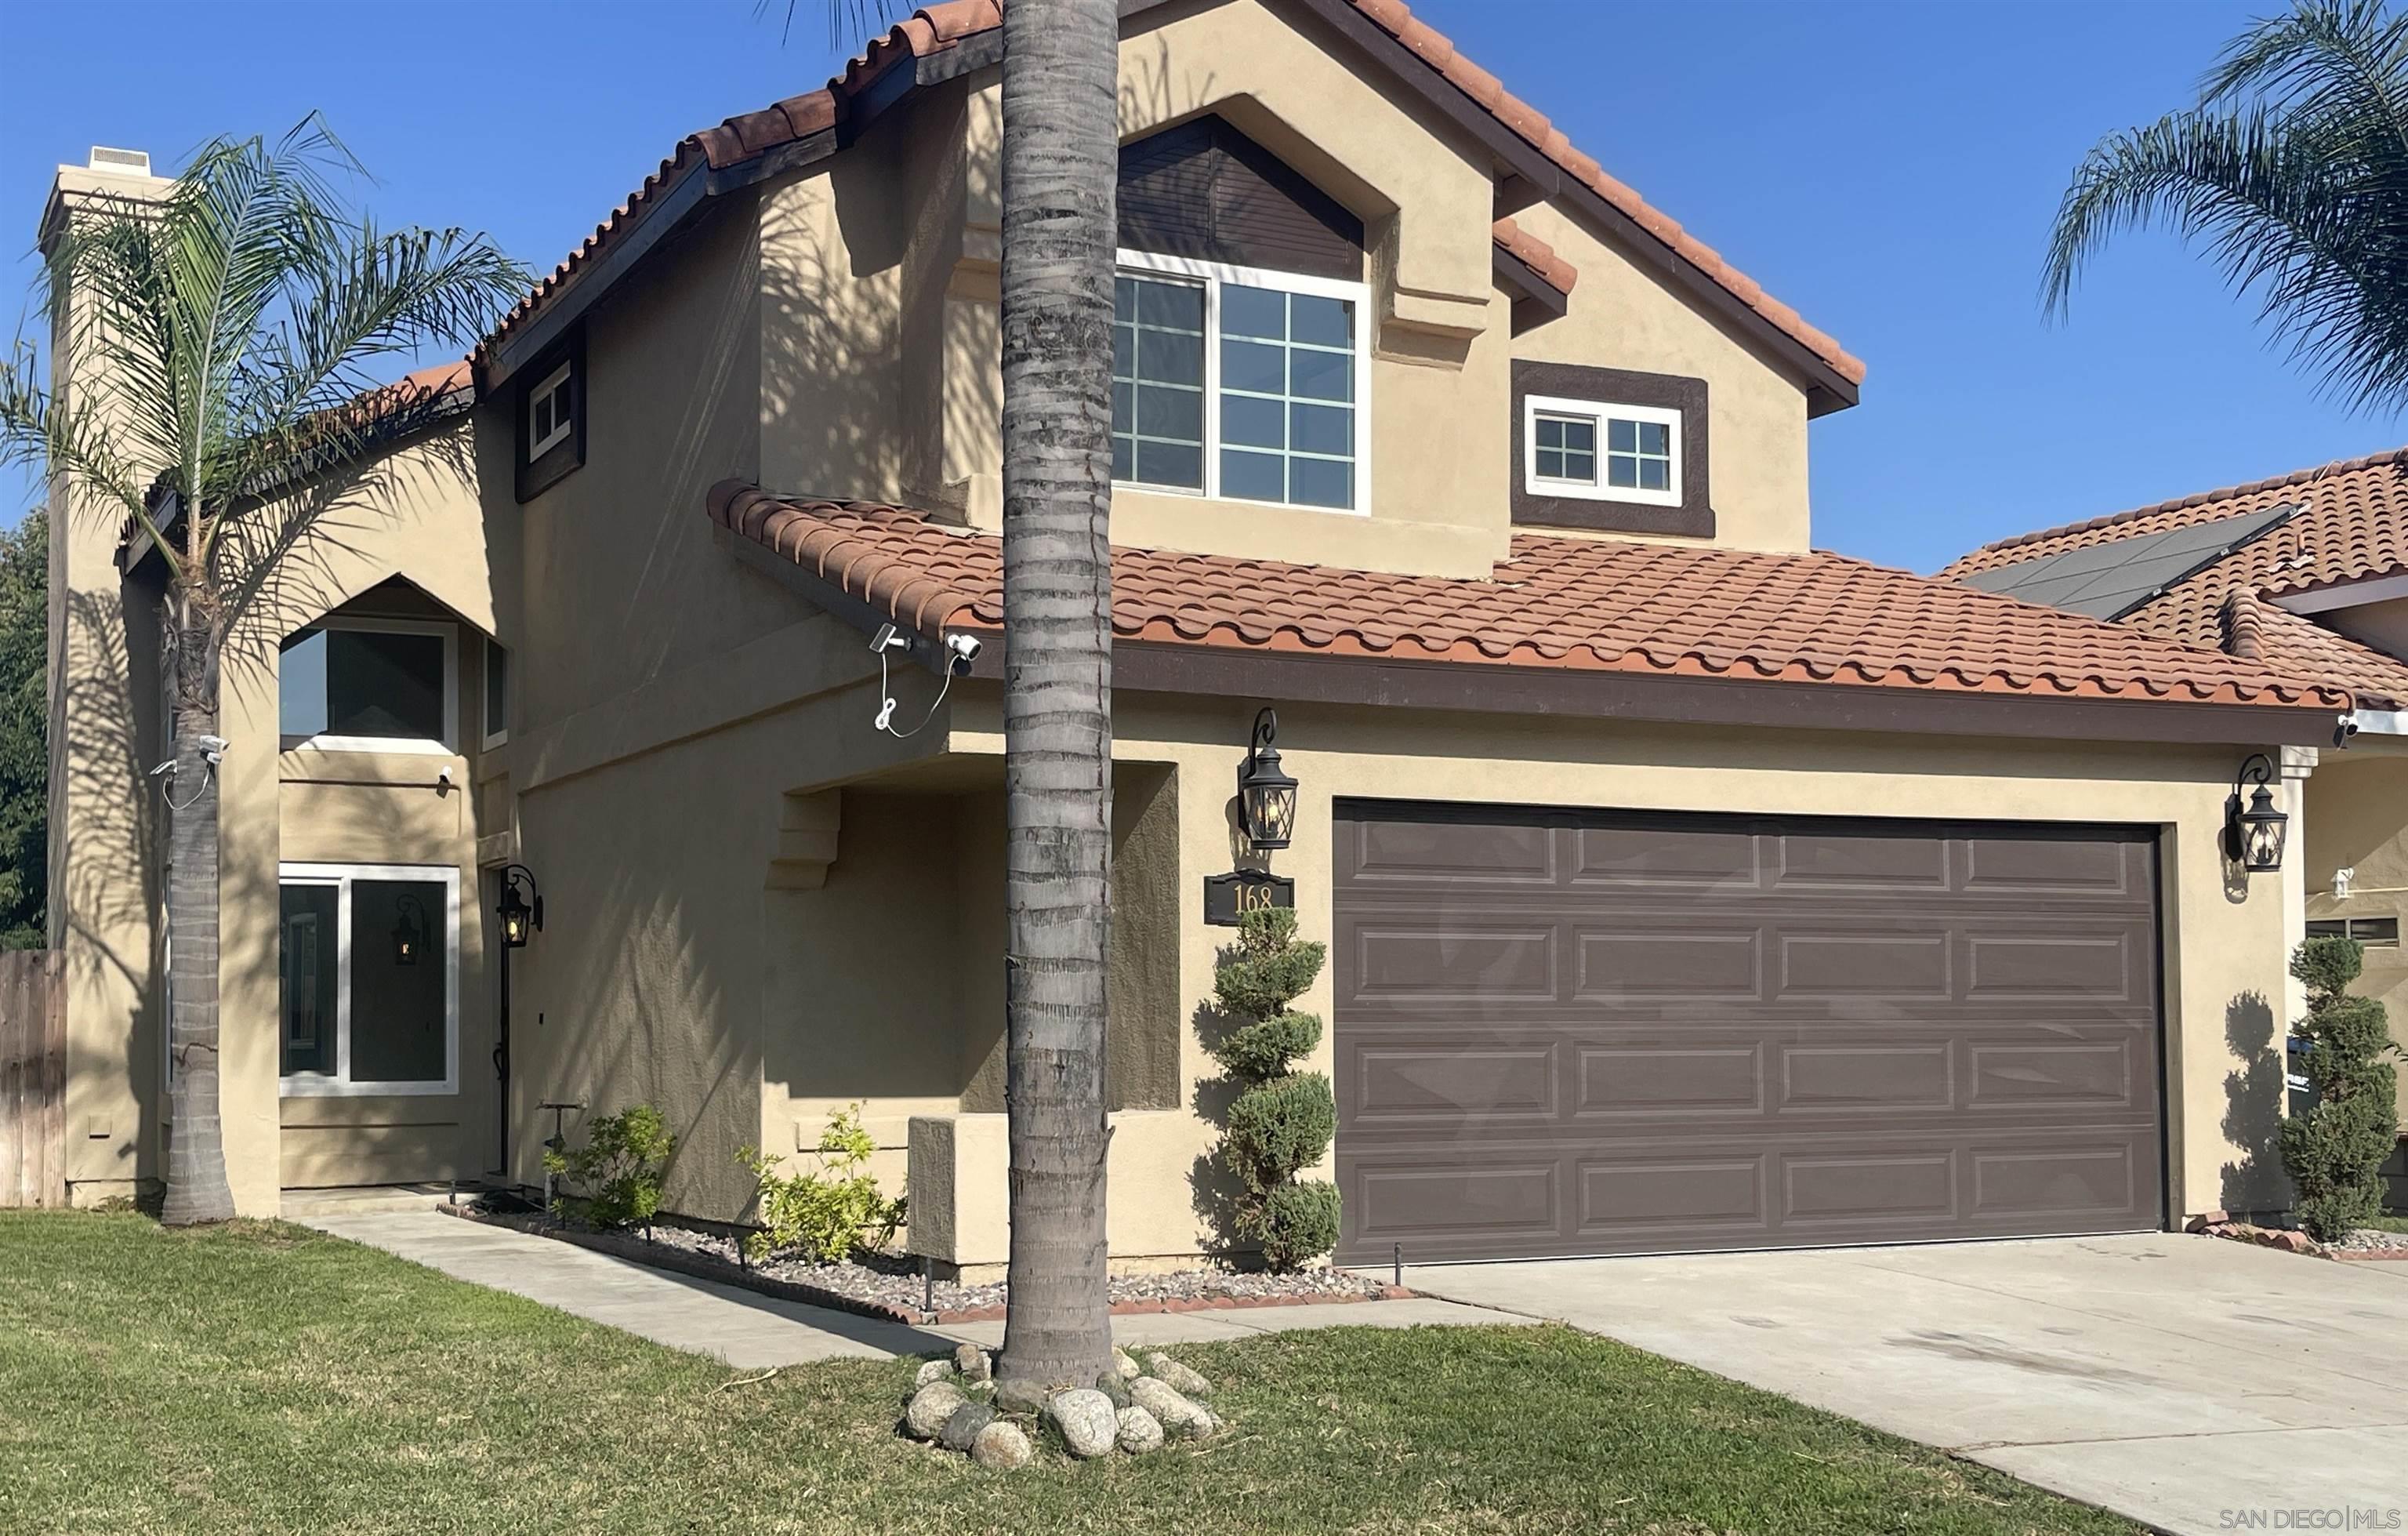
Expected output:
(2253, 1108)
(1215, 1190)
(115, 887)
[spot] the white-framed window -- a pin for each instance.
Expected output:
(2373, 932)
(1243, 384)
(370, 686)
(368, 959)
(548, 413)
(1597, 451)
(497, 726)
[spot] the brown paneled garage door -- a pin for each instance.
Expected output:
(1568, 1033)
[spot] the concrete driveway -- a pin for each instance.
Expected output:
(2173, 1379)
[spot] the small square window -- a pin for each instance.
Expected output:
(1567, 448)
(550, 419)
(1600, 451)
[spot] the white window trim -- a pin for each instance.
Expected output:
(1213, 275)
(418, 744)
(538, 447)
(488, 737)
(1535, 406)
(340, 1085)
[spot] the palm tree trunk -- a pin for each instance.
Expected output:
(1060, 163)
(196, 1174)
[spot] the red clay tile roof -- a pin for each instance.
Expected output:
(2352, 523)
(2259, 631)
(1534, 254)
(1559, 602)
(934, 29)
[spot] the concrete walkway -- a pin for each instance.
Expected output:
(752, 1331)
(2183, 1380)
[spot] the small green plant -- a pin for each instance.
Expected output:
(1282, 1121)
(617, 1172)
(2334, 1153)
(822, 1213)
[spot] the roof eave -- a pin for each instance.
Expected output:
(1587, 694)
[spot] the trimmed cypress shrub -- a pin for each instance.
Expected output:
(1282, 1122)
(2335, 1151)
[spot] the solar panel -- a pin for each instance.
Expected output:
(2111, 579)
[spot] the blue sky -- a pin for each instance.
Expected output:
(1889, 170)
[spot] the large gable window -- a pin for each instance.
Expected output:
(1238, 383)
(369, 685)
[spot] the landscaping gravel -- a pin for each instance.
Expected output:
(894, 1279)
(2374, 1240)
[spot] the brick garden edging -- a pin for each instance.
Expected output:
(637, 1250)
(2216, 1224)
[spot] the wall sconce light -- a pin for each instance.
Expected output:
(1266, 795)
(409, 931)
(519, 916)
(2254, 836)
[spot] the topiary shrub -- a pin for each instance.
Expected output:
(1282, 1120)
(2334, 1153)
(618, 1170)
(823, 1214)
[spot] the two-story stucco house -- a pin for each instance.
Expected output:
(1684, 888)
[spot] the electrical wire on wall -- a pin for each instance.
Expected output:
(212, 753)
(961, 650)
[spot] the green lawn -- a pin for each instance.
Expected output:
(266, 1378)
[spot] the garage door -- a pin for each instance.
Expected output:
(1563, 1033)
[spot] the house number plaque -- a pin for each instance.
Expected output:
(1230, 897)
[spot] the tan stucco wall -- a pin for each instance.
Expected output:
(1622, 317)
(2357, 819)
(415, 514)
(105, 826)
(2223, 956)
(907, 217)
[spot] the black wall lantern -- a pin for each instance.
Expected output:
(408, 931)
(518, 917)
(1266, 795)
(2254, 836)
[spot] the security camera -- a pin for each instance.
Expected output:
(965, 646)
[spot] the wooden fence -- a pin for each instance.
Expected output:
(33, 1078)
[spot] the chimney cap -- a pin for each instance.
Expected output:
(119, 161)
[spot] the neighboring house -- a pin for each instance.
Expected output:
(2307, 573)
(1684, 888)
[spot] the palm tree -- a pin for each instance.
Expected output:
(2293, 171)
(1061, 182)
(219, 340)
(1061, 163)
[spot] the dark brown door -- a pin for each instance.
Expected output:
(1562, 1033)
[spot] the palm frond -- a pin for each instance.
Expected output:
(2292, 175)
(223, 336)
(36, 428)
